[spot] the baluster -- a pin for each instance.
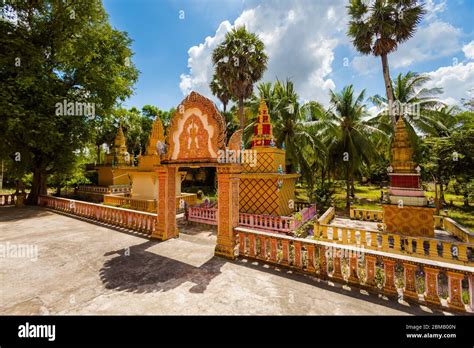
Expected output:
(363, 238)
(310, 253)
(389, 270)
(353, 261)
(263, 249)
(323, 265)
(455, 290)
(285, 251)
(298, 261)
(337, 265)
(431, 285)
(410, 289)
(273, 250)
(370, 261)
(385, 245)
(462, 252)
(446, 250)
(251, 245)
(344, 236)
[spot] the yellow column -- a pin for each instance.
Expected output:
(228, 209)
(166, 220)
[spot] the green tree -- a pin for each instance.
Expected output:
(53, 53)
(348, 136)
(416, 103)
(239, 62)
(220, 90)
(379, 27)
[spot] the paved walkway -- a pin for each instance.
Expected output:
(87, 268)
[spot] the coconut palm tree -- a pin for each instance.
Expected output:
(220, 91)
(239, 62)
(379, 27)
(415, 103)
(348, 136)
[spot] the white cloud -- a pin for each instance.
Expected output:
(469, 50)
(457, 82)
(437, 39)
(299, 40)
(433, 8)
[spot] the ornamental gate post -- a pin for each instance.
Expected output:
(166, 219)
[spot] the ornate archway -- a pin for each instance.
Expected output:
(196, 136)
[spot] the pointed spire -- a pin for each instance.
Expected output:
(157, 134)
(263, 131)
(402, 150)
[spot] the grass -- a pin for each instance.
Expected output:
(368, 197)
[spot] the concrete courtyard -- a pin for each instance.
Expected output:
(82, 267)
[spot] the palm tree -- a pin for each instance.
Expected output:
(418, 104)
(378, 28)
(220, 91)
(348, 136)
(239, 62)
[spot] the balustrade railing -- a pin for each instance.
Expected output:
(104, 189)
(7, 199)
(359, 266)
(203, 215)
(267, 222)
(429, 248)
(366, 215)
(148, 205)
(131, 219)
(456, 229)
(300, 217)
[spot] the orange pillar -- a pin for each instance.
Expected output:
(228, 209)
(166, 220)
(410, 279)
(431, 285)
(370, 261)
(471, 290)
(353, 276)
(389, 269)
(455, 289)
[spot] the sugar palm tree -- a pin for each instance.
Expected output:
(347, 135)
(379, 27)
(220, 91)
(239, 62)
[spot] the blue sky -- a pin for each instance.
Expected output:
(305, 41)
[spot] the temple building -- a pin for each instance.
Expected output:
(265, 188)
(117, 163)
(408, 212)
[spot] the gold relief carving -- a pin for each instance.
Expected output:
(235, 141)
(197, 130)
(409, 220)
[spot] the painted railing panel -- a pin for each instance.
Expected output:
(457, 230)
(266, 222)
(203, 215)
(306, 214)
(366, 215)
(356, 266)
(7, 199)
(148, 205)
(131, 219)
(104, 189)
(429, 248)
